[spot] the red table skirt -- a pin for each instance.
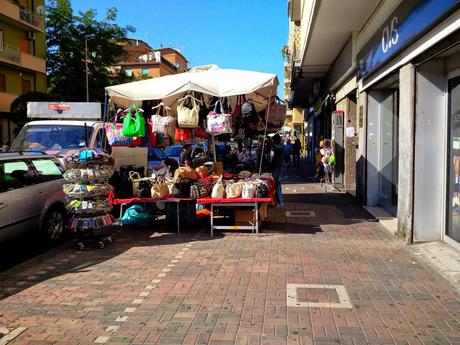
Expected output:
(205, 201)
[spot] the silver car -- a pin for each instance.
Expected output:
(31, 195)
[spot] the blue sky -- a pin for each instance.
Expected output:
(241, 34)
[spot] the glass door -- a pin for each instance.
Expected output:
(453, 179)
(389, 146)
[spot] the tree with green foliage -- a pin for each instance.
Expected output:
(65, 60)
(19, 106)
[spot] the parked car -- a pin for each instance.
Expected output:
(155, 156)
(174, 152)
(31, 195)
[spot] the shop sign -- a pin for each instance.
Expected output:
(59, 106)
(408, 22)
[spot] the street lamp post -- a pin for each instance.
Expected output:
(86, 65)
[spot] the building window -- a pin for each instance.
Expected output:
(26, 86)
(1, 40)
(2, 83)
(145, 72)
(129, 72)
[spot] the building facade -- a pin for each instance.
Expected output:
(387, 80)
(140, 61)
(22, 56)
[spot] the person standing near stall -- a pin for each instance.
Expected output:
(296, 152)
(287, 152)
(278, 168)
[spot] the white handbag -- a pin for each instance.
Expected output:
(233, 190)
(188, 117)
(163, 124)
(249, 189)
(218, 189)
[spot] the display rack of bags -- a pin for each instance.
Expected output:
(87, 191)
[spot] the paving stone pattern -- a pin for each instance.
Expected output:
(156, 287)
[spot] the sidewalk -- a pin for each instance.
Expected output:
(323, 273)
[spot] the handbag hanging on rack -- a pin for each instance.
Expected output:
(163, 124)
(182, 134)
(237, 107)
(115, 137)
(201, 133)
(219, 123)
(203, 112)
(134, 127)
(276, 112)
(188, 112)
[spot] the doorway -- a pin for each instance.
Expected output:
(453, 170)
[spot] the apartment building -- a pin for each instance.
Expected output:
(382, 79)
(141, 61)
(22, 56)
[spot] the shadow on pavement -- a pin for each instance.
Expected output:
(67, 259)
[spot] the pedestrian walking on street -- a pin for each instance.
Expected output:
(287, 152)
(278, 168)
(296, 153)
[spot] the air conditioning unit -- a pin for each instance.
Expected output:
(31, 35)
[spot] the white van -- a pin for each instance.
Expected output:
(63, 132)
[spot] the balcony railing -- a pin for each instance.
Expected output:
(10, 52)
(32, 18)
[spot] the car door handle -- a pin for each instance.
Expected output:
(2, 205)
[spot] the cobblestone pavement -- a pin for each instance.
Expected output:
(328, 276)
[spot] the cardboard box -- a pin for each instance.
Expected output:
(263, 211)
(243, 217)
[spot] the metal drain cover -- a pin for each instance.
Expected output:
(300, 214)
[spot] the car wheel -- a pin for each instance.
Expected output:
(54, 223)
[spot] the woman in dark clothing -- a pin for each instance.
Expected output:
(296, 152)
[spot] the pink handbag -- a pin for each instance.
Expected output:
(219, 123)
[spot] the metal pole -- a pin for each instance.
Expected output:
(86, 65)
(265, 133)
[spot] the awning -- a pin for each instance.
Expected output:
(209, 80)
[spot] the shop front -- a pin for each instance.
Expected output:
(409, 75)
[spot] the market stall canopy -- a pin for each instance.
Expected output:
(209, 80)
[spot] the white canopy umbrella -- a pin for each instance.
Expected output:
(209, 80)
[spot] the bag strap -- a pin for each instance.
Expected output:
(134, 175)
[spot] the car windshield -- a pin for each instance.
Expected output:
(51, 137)
(173, 151)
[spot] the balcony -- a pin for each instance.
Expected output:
(32, 18)
(12, 55)
(33, 63)
(24, 18)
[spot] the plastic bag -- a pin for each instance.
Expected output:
(136, 215)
